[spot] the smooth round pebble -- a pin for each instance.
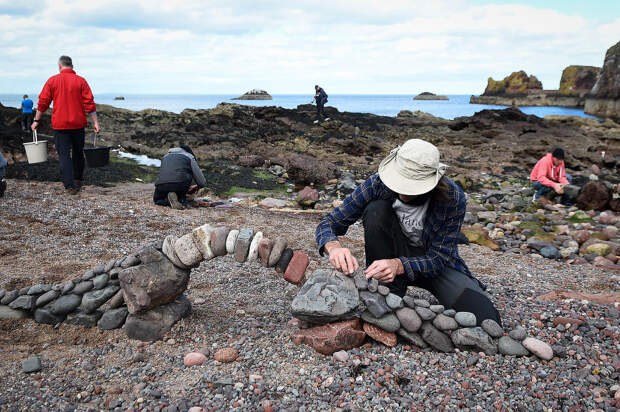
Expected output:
(465, 319)
(538, 348)
(194, 358)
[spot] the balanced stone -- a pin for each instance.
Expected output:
(388, 322)
(253, 249)
(538, 348)
(422, 303)
(425, 313)
(87, 320)
(509, 346)
(116, 301)
(383, 290)
(409, 319)
(361, 283)
(218, 240)
(113, 318)
(231, 239)
(413, 338)
(25, 302)
(394, 301)
(92, 300)
(443, 322)
(65, 304)
(100, 281)
(409, 301)
(67, 287)
(474, 337)
(449, 312)
(373, 285)
(9, 297)
(492, 328)
(45, 315)
(32, 364)
(83, 287)
(465, 319)
(286, 257)
(242, 245)
(375, 303)
(168, 251)
(187, 251)
(296, 268)
(278, 247)
(264, 249)
(437, 308)
(327, 296)
(519, 333)
(201, 237)
(436, 338)
(39, 289)
(46, 298)
(153, 324)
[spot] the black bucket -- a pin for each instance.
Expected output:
(97, 156)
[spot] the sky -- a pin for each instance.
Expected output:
(346, 46)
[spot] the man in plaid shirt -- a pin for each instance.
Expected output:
(412, 217)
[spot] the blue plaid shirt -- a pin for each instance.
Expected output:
(442, 226)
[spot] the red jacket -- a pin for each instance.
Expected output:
(548, 174)
(72, 100)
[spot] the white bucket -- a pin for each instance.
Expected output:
(36, 151)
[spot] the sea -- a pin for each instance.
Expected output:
(384, 105)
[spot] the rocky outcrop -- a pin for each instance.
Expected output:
(540, 98)
(516, 84)
(254, 94)
(578, 80)
(430, 96)
(604, 98)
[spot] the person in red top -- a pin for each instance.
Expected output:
(72, 99)
(549, 174)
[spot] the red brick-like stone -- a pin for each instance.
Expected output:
(378, 334)
(296, 267)
(327, 339)
(560, 320)
(264, 249)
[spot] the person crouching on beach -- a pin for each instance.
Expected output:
(412, 216)
(178, 169)
(549, 175)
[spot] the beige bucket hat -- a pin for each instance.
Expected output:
(413, 168)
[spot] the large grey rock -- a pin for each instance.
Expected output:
(9, 297)
(39, 289)
(45, 315)
(129, 261)
(412, 338)
(92, 300)
(519, 333)
(409, 319)
(65, 304)
(327, 296)
(387, 322)
(32, 364)
(25, 302)
(153, 324)
(8, 313)
(436, 338)
(113, 318)
(476, 338)
(156, 281)
(509, 346)
(2, 293)
(23, 291)
(375, 303)
(46, 298)
(87, 320)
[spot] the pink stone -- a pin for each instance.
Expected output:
(538, 348)
(296, 268)
(307, 197)
(264, 250)
(194, 358)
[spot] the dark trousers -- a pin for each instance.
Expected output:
(27, 121)
(384, 239)
(70, 147)
(319, 110)
(542, 190)
(160, 197)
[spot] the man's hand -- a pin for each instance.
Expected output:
(385, 270)
(97, 128)
(341, 258)
(559, 189)
(93, 115)
(34, 126)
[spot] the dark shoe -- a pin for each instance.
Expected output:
(174, 201)
(2, 188)
(78, 184)
(73, 191)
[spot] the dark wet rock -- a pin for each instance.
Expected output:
(82, 287)
(87, 320)
(92, 300)
(475, 338)
(375, 303)
(39, 289)
(65, 304)
(100, 281)
(113, 318)
(153, 324)
(284, 260)
(46, 298)
(25, 302)
(46, 316)
(388, 322)
(436, 338)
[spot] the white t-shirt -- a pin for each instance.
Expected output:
(411, 219)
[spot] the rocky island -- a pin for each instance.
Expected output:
(254, 94)
(604, 98)
(430, 96)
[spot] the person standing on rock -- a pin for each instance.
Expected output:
(320, 97)
(27, 105)
(72, 99)
(412, 216)
(549, 174)
(3, 164)
(178, 169)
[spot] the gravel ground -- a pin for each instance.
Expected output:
(47, 236)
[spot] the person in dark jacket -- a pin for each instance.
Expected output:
(412, 216)
(3, 164)
(320, 97)
(178, 169)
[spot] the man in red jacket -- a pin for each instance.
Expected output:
(72, 99)
(549, 174)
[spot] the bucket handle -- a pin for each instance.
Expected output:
(95, 140)
(34, 137)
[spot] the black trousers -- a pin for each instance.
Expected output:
(27, 121)
(160, 197)
(70, 147)
(384, 239)
(319, 110)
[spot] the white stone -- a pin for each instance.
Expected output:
(168, 250)
(231, 240)
(202, 238)
(253, 251)
(187, 251)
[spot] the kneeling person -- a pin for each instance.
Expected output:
(412, 217)
(178, 169)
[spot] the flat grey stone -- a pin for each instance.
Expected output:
(100, 281)
(383, 290)
(361, 283)
(422, 303)
(87, 320)
(92, 300)
(475, 338)
(425, 313)
(413, 338)
(465, 319)
(394, 301)
(67, 287)
(437, 308)
(46, 298)
(65, 304)
(327, 296)
(409, 301)
(509, 346)
(113, 318)
(45, 315)
(9, 297)
(443, 322)
(153, 324)
(242, 245)
(375, 303)
(492, 328)
(449, 312)
(32, 364)
(24, 302)
(39, 289)
(58, 287)
(387, 322)
(82, 287)
(8, 313)
(409, 319)
(435, 338)
(519, 333)
(373, 285)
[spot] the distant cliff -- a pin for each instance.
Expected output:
(578, 80)
(604, 99)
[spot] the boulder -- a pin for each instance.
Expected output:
(409, 319)
(604, 98)
(578, 80)
(8, 313)
(88, 320)
(327, 339)
(242, 244)
(253, 249)
(436, 339)
(65, 304)
(284, 260)
(593, 196)
(480, 237)
(153, 324)
(327, 296)
(511, 347)
(276, 252)
(538, 348)
(305, 169)
(45, 315)
(152, 284)
(270, 202)
(375, 303)
(201, 237)
(296, 268)
(264, 249)
(600, 249)
(24, 302)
